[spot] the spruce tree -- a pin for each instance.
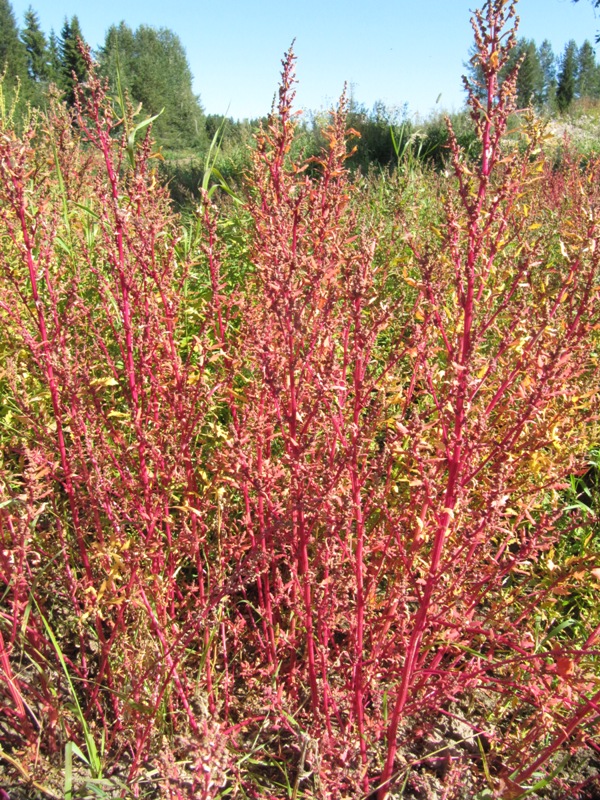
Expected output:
(567, 78)
(73, 68)
(547, 61)
(587, 72)
(530, 81)
(13, 59)
(36, 47)
(119, 53)
(54, 65)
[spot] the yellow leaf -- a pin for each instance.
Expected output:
(408, 280)
(104, 382)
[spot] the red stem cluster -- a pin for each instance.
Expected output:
(328, 493)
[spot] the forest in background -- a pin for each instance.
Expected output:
(155, 76)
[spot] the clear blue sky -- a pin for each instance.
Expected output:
(397, 51)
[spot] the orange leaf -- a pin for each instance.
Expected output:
(565, 666)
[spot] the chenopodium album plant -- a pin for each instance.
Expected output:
(107, 417)
(316, 507)
(403, 435)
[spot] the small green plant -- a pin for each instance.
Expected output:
(93, 756)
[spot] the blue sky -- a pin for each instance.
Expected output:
(398, 51)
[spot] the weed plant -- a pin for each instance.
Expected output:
(284, 496)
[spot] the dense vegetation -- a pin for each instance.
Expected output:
(295, 497)
(150, 66)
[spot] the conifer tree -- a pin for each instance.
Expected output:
(567, 77)
(13, 60)
(530, 81)
(36, 46)
(588, 78)
(119, 53)
(54, 65)
(73, 68)
(547, 61)
(531, 78)
(154, 69)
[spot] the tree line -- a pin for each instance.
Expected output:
(152, 65)
(548, 81)
(154, 72)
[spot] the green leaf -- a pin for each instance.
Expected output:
(69, 770)
(566, 623)
(131, 138)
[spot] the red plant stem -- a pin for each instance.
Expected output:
(466, 299)
(52, 385)
(264, 592)
(226, 670)
(324, 648)
(11, 681)
(358, 380)
(301, 532)
(264, 582)
(303, 572)
(105, 145)
(419, 628)
(570, 728)
(212, 706)
(171, 664)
